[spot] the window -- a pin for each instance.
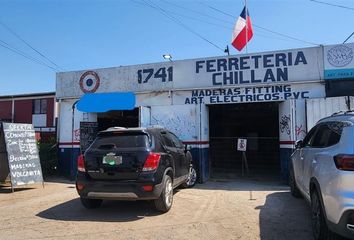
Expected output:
(39, 106)
(121, 140)
(176, 141)
(167, 140)
(308, 138)
(322, 136)
(329, 134)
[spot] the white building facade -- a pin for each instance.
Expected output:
(209, 103)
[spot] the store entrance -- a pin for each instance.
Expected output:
(256, 122)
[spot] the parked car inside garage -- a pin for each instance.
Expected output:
(323, 172)
(134, 164)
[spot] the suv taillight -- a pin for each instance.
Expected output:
(81, 163)
(152, 161)
(344, 162)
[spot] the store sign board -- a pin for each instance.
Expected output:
(22, 154)
(256, 69)
(249, 94)
(339, 61)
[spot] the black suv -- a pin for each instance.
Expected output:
(134, 164)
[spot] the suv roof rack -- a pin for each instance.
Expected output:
(350, 111)
(337, 113)
(343, 112)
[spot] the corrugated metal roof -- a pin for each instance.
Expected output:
(28, 95)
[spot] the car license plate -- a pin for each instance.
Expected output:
(112, 160)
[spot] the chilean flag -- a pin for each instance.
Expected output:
(239, 36)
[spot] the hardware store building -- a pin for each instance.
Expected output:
(271, 99)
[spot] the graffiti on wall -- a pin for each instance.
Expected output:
(300, 132)
(76, 135)
(179, 121)
(285, 124)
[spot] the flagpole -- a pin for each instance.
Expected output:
(246, 26)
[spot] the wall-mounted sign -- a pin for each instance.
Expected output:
(89, 82)
(249, 94)
(241, 144)
(339, 61)
(257, 69)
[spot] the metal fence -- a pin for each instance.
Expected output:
(262, 154)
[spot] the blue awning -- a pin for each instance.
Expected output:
(104, 102)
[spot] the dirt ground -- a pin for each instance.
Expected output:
(214, 210)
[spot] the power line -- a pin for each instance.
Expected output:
(197, 12)
(197, 19)
(283, 38)
(201, 20)
(217, 10)
(182, 24)
(348, 37)
(285, 35)
(224, 26)
(165, 13)
(19, 52)
(263, 28)
(29, 45)
(219, 25)
(189, 17)
(333, 5)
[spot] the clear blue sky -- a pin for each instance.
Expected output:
(88, 34)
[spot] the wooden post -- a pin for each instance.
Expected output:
(12, 186)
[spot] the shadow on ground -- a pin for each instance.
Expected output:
(242, 184)
(110, 211)
(284, 217)
(54, 179)
(9, 190)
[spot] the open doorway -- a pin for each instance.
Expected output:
(258, 123)
(121, 118)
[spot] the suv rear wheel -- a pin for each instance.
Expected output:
(319, 227)
(164, 202)
(91, 203)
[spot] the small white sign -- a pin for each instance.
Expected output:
(241, 144)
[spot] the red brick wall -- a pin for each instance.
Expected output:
(50, 112)
(23, 111)
(6, 110)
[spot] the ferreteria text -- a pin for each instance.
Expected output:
(254, 69)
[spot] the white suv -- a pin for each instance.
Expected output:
(322, 171)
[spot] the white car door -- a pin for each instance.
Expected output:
(317, 145)
(299, 158)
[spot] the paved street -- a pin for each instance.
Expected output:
(215, 210)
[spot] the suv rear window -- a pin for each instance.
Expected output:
(329, 133)
(121, 140)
